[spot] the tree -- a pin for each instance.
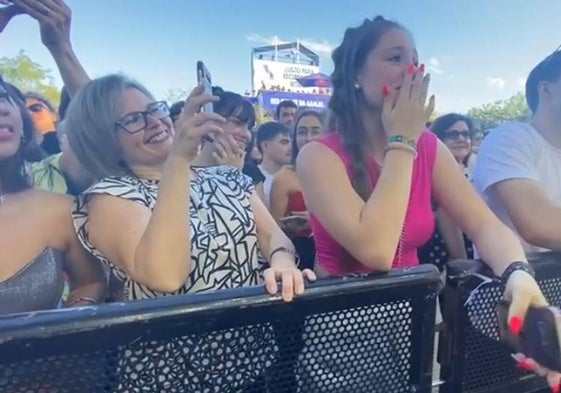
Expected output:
(28, 75)
(174, 95)
(492, 114)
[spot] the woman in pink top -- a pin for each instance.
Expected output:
(368, 185)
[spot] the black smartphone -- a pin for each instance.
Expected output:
(539, 338)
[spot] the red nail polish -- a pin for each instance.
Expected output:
(525, 365)
(411, 69)
(515, 325)
(386, 91)
(422, 68)
(556, 388)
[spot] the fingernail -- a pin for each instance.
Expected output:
(386, 91)
(411, 69)
(556, 388)
(525, 365)
(515, 325)
(422, 68)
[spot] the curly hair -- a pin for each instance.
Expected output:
(348, 59)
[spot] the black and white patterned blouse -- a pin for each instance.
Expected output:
(224, 247)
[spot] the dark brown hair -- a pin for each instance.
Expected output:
(345, 103)
(13, 175)
(303, 113)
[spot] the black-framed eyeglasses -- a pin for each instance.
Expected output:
(137, 121)
(455, 135)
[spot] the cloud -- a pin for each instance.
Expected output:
(521, 82)
(498, 83)
(434, 66)
(322, 48)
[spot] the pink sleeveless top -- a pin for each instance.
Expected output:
(419, 220)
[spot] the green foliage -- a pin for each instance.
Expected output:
(28, 75)
(492, 114)
(174, 95)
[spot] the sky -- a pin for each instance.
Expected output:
(477, 51)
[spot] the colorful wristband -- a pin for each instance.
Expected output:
(403, 139)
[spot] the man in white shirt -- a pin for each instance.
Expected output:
(518, 170)
(274, 143)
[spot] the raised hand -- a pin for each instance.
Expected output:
(405, 111)
(54, 18)
(193, 124)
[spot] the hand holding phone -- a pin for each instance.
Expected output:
(540, 337)
(205, 79)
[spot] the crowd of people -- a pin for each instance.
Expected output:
(122, 197)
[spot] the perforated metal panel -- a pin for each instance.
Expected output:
(485, 363)
(342, 341)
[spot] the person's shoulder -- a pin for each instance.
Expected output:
(512, 130)
(509, 135)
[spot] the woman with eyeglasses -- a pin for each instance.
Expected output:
(456, 131)
(162, 224)
(38, 240)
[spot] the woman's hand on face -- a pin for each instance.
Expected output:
(292, 279)
(405, 111)
(192, 125)
(523, 292)
(227, 151)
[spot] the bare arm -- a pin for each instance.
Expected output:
(269, 234)
(279, 196)
(54, 19)
(85, 272)
(260, 191)
(283, 266)
(354, 223)
(153, 248)
(451, 234)
(497, 245)
(534, 215)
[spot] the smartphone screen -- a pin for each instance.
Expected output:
(204, 78)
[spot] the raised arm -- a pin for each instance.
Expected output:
(54, 18)
(153, 247)
(369, 230)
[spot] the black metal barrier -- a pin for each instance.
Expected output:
(353, 334)
(472, 358)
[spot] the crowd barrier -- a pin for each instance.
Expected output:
(367, 333)
(472, 358)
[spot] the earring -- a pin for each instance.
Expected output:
(23, 139)
(357, 86)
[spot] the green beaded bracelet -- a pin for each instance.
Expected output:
(403, 139)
